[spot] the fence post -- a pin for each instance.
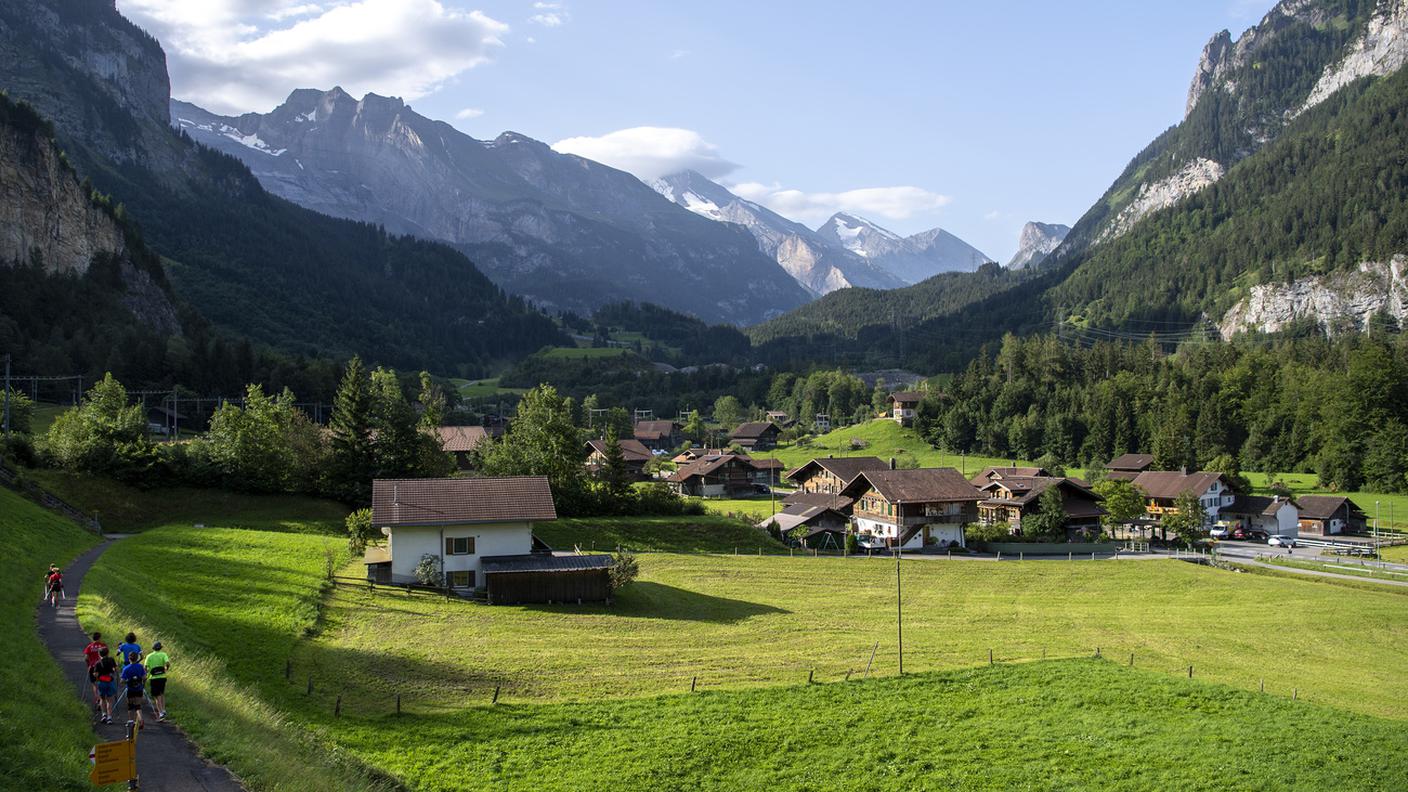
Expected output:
(999, 555)
(692, 682)
(1043, 653)
(337, 707)
(809, 675)
(310, 686)
(1021, 556)
(1190, 672)
(288, 669)
(1068, 555)
(1097, 651)
(1092, 555)
(398, 703)
(1295, 693)
(495, 700)
(989, 657)
(1263, 684)
(1131, 659)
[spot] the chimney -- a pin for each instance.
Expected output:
(892, 463)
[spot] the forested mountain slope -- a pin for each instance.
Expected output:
(254, 264)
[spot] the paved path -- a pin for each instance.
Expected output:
(1317, 573)
(166, 759)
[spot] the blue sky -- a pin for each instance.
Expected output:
(973, 116)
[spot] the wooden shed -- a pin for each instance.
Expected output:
(543, 577)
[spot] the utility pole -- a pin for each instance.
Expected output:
(899, 594)
(7, 394)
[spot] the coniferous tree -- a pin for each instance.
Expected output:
(353, 461)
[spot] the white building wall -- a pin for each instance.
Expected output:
(408, 544)
(1288, 520)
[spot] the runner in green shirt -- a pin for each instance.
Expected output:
(158, 666)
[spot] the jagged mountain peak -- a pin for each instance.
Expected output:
(1036, 242)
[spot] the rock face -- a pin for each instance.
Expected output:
(566, 232)
(818, 266)
(126, 67)
(1036, 242)
(47, 217)
(1336, 302)
(1211, 66)
(1381, 50)
(913, 258)
(1196, 175)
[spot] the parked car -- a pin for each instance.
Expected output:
(1281, 541)
(1219, 532)
(871, 543)
(1249, 534)
(762, 489)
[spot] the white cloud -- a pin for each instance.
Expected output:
(550, 14)
(679, 53)
(651, 152)
(237, 55)
(993, 215)
(893, 203)
(469, 112)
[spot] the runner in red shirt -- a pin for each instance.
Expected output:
(91, 654)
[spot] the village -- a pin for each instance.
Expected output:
(474, 535)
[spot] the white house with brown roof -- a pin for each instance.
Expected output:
(904, 405)
(913, 508)
(457, 521)
(1275, 515)
(1161, 489)
(1330, 514)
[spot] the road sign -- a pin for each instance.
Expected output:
(113, 762)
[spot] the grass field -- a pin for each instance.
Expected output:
(122, 508)
(1397, 553)
(752, 508)
(576, 353)
(44, 416)
(689, 534)
(1347, 568)
(44, 729)
(579, 683)
(483, 389)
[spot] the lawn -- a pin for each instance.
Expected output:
(579, 684)
(687, 534)
(1397, 553)
(44, 729)
(1072, 724)
(882, 438)
(752, 508)
(44, 416)
(483, 389)
(576, 353)
(122, 508)
(1347, 568)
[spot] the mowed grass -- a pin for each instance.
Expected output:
(750, 508)
(1073, 724)
(1347, 568)
(685, 534)
(229, 605)
(483, 389)
(45, 731)
(122, 508)
(578, 353)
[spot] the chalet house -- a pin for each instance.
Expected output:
(460, 440)
(766, 470)
(832, 474)
(633, 452)
(824, 516)
(1161, 489)
(658, 435)
(1330, 514)
(479, 532)
(913, 508)
(1126, 466)
(904, 405)
(1276, 516)
(780, 418)
(755, 435)
(988, 474)
(717, 475)
(1010, 498)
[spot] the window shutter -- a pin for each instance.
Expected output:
(449, 545)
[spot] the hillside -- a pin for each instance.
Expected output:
(44, 734)
(246, 260)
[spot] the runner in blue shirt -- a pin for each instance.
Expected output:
(128, 646)
(134, 678)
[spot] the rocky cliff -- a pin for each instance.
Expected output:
(1337, 302)
(1036, 242)
(48, 218)
(1382, 49)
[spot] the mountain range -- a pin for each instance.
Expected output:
(563, 231)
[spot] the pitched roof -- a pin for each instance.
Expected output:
(765, 463)
(988, 473)
(1137, 462)
(706, 465)
(447, 501)
(1324, 507)
(631, 449)
(1027, 489)
(543, 562)
(753, 429)
(906, 396)
(1172, 483)
(818, 499)
(844, 468)
(653, 430)
(917, 486)
(461, 438)
(1256, 504)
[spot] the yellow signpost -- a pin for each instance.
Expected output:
(114, 762)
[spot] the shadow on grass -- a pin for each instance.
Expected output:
(649, 600)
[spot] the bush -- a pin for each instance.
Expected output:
(19, 449)
(427, 571)
(624, 569)
(359, 531)
(996, 532)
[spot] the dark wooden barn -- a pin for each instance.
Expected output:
(541, 577)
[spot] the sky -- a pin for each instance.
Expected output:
(975, 117)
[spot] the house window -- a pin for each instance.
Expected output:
(461, 579)
(459, 545)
